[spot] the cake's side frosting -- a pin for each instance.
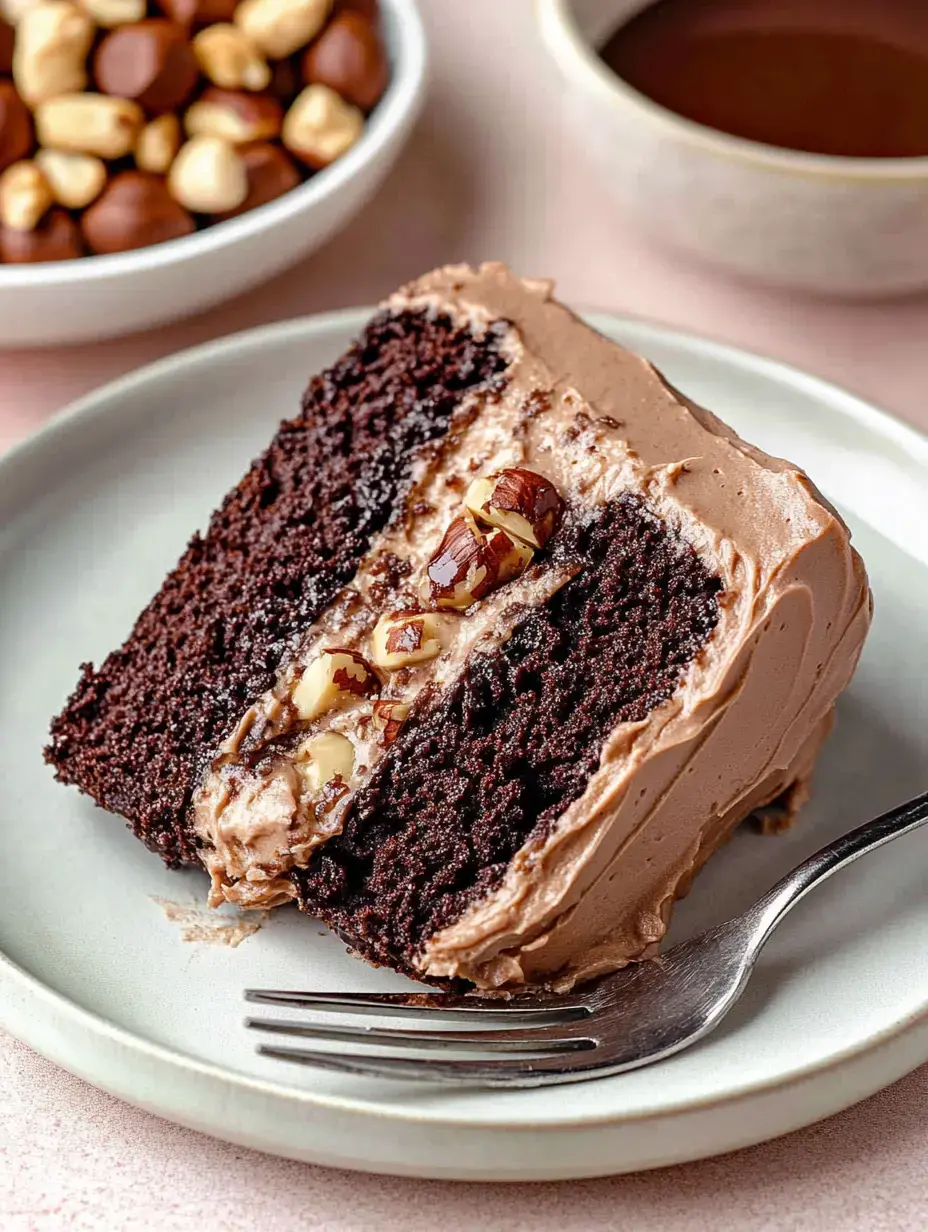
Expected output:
(594, 888)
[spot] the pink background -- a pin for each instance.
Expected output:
(490, 172)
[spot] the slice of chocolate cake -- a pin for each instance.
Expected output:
(486, 655)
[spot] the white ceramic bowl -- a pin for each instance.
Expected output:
(846, 226)
(100, 297)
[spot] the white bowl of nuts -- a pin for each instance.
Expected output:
(159, 156)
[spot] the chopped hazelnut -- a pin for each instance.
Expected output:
(402, 639)
(518, 500)
(333, 680)
(324, 758)
(389, 718)
(470, 562)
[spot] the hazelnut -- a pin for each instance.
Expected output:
(150, 62)
(12, 10)
(56, 238)
(133, 211)
(320, 127)
(110, 13)
(89, 124)
(402, 639)
(158, 143)
(50, 53)
(228, 57)
(389, 718)
(520, 501)
(270, 171)
(198, 13)
(235, 116)
(334, 679)
(349, 58)
(208, 176)
(470, 563)
(75, 179)
(15, 126)
(281, 27)
(324, 758)
(25, 195)
(7, 36)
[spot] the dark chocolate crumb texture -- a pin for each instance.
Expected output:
(485, 655)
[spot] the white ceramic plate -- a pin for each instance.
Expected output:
(99, 505)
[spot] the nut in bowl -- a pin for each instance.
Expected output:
(154, 162)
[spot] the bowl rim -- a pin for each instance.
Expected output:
(567, 45)
(408, 50)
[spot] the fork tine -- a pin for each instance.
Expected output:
(543, 1009)
(540, 1071)
(531, 1039)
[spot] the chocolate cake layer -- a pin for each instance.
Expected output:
(493, 760)
(137, 732)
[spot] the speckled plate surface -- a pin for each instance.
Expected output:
(95, 971)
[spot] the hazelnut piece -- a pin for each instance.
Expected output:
(281, 27)
(324, 758)
(403, 639)
(334, 679)
(228, 57)
(56, 238)
(198, 13)
(208, 176)
(50, 53)
(7, 37)
(133, 211)
(520, 501)
(89, 124)
(158, 143)
(270, 171)
(389, 718)
(150, 62)
(75, 179)
(234, 116)
(321, 126)
(25, 195)
(15, 126)
(469, 563)
(349, 58)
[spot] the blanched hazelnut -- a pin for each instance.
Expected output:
(75, 179)
(89, 124)
(133, 211)
(324, 758)
(150, 62)
(518, 500)
(228, 57)
(349, 58)
(111, 13)
(469, 563)
(50, 54)
(271, 173)
(15, 126)
(208, 176)
(333, 680)
(280, 27)
(25, 196)
(403, 639)
(56, 238)
(234, 116)
(389, 717)
(320, 127)
(158, 143)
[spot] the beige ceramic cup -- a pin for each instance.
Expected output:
(838, 226)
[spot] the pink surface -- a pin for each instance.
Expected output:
(491, 172)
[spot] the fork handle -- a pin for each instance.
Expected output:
(768, 911)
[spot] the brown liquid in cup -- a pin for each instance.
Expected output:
(840, 77)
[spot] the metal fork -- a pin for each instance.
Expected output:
(637, 1016)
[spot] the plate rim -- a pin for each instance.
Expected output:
(25, 987)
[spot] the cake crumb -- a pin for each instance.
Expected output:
(201, 925)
